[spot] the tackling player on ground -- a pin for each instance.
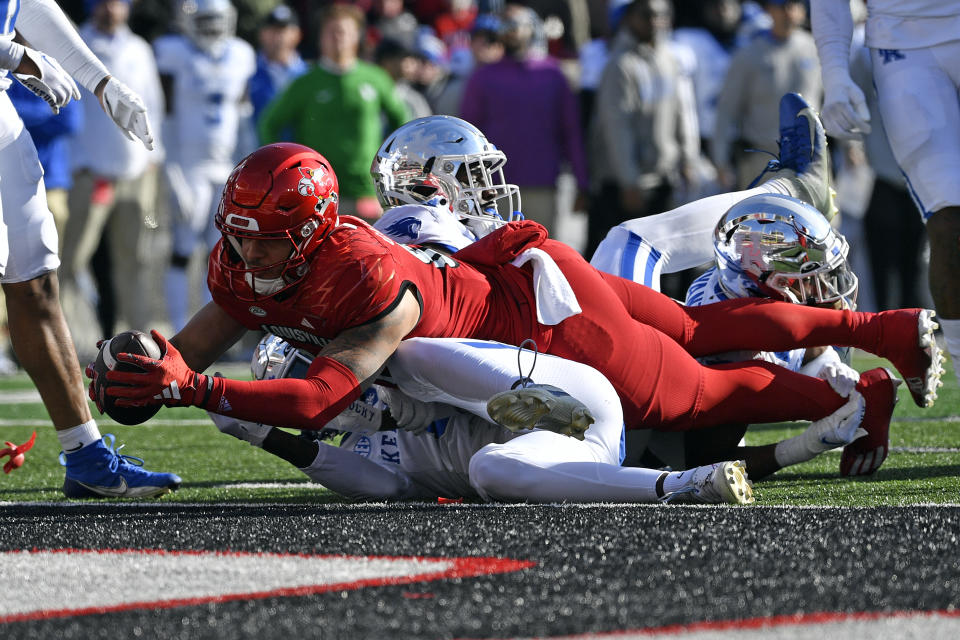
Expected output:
(446, 445)
(288, 262)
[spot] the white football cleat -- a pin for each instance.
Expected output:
(540, 406)
(718, 483)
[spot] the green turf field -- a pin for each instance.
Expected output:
(923, 466)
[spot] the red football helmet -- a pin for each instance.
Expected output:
(280, 191)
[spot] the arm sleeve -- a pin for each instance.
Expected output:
(44, 25)
(356, 477)
(311, 403)
(10, 54)
(832, 26)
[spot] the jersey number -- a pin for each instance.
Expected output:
(430, 256)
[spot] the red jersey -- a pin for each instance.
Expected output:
(357, 275)
(635, 336)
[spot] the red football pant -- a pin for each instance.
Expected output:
(645, 344)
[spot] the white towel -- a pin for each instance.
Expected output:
(555, 298)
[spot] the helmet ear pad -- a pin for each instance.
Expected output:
(281, 191)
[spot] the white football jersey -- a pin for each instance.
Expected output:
(207, 94)
(911, 24)
(424, 224)
(438, 461)
(706, 290)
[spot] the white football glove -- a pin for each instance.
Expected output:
(845, 113)
(54, 85)
(359, 417)
(840, 428)
(842, 379)
(413, 415)
(252, 432)
(127, 110)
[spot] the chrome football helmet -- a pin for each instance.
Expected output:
(775, 246)
(445, 161)
(208, 23)
(275, 358)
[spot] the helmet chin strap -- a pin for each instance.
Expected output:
(264, 286)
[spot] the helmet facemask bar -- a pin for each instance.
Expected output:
(484, 193)
(819, 282)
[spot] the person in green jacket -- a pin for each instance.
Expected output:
(340, 108)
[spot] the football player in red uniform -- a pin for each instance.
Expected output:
(289, 264)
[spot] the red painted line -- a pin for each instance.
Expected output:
(461, 568)
(797, 619)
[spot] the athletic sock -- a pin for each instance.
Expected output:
(78, 437)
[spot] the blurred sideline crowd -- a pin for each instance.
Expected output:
(606, 109)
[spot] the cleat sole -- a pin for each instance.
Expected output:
(924, 389)
(530, 408)
(737, 488)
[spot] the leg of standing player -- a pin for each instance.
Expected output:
(40, 336)
(917, 93)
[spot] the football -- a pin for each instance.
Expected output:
(126, 342)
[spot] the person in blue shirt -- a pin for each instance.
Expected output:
(278, 61)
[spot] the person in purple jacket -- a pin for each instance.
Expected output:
(527, 109)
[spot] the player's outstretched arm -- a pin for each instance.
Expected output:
(39, 73)
(332, 381)
(845, 113)
(45, 27)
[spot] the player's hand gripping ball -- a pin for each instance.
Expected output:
(127, 342)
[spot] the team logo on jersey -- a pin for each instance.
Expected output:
(257, 311)
(891, 55)
(407, 228)
(367, 92)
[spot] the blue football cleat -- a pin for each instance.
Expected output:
(803, 159)
(100, 471)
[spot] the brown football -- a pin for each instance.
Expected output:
(126, 342)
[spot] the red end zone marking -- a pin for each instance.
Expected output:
(459, 568)
(752, 624)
